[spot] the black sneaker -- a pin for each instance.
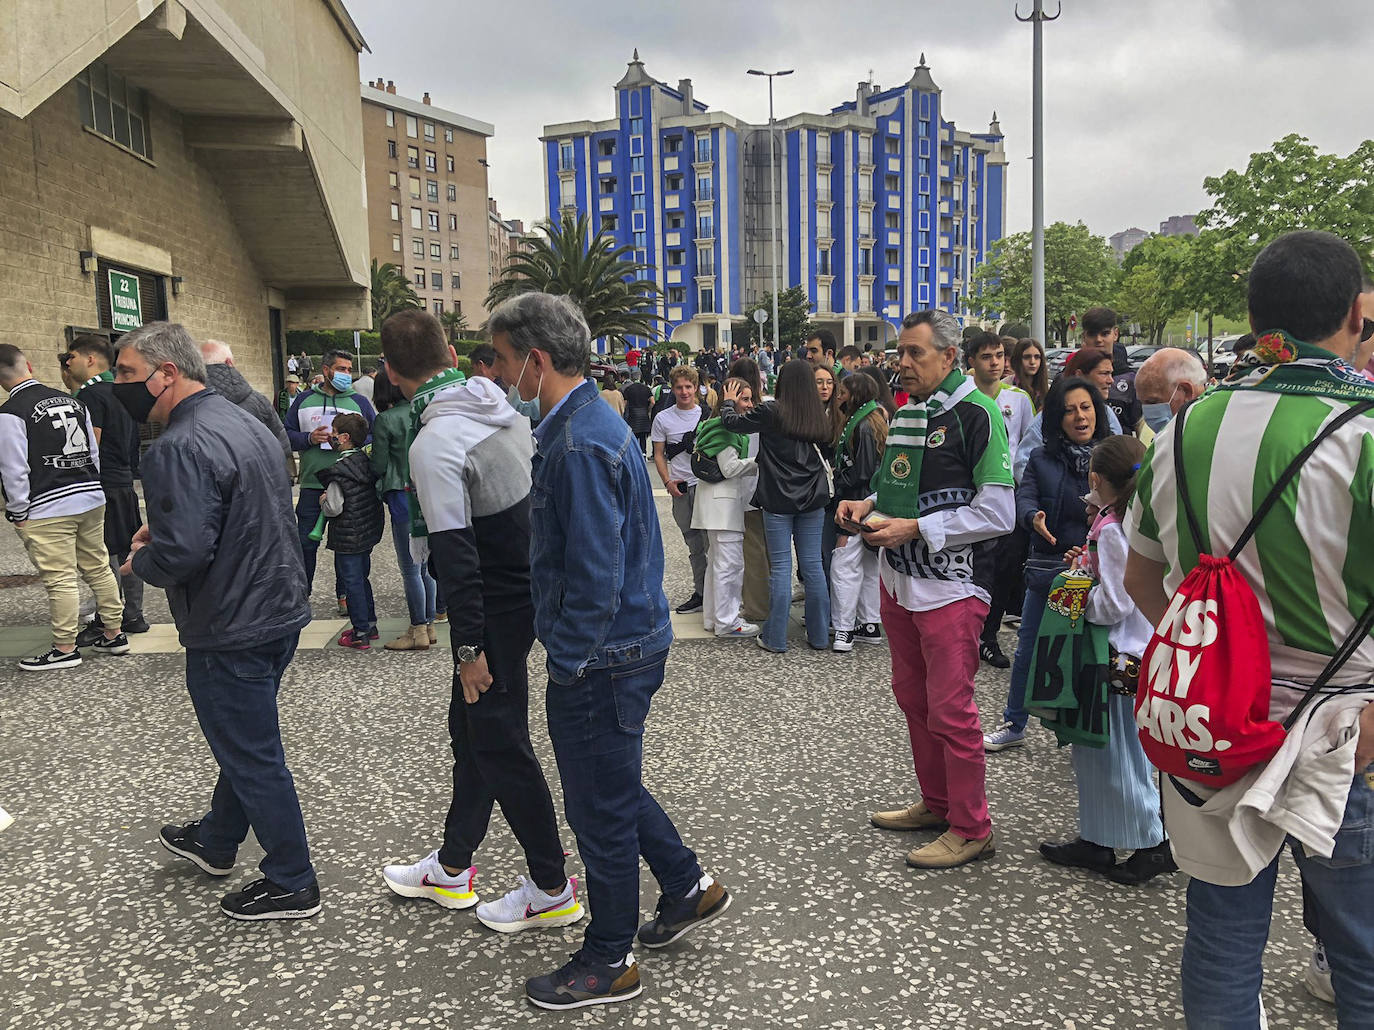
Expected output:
(118, 645)
(139, 625)
(583, 981)
(263, 899)
(53, 659)
(676, 918)
(1144, 865)
(94, 630)
(692, 604)
(992, 654)
(184, 842)
(1080, 854)
(868, 633)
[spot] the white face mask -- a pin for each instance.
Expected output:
(520, 378)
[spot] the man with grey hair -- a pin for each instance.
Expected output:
(596, 571)
(944, 495)
(1168, 380)
(50, 477)
(221, 540)
(225, 379)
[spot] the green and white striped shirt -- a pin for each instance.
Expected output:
(1311, 562)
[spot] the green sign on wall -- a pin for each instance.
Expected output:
(126, 310)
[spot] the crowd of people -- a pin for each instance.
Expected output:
(929, 500)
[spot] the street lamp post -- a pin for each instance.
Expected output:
(1037, 18)
(772, 197)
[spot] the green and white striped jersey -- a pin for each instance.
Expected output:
(1311, 562)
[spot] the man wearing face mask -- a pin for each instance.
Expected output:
(307, 426)
(220, 540)
(1168, 380)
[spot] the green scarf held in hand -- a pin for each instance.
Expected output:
(849, 427)
(898, 478)
(712, 438)
(1070, 666)
(448, 377)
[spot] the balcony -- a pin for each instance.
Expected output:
(822, 158)
(705, 196)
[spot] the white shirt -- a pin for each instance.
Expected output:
(364, 386)
(670, 426)
(1017, 412)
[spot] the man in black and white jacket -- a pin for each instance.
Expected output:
(470, 473)
(50, 474)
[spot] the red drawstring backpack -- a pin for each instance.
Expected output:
(1202, 706)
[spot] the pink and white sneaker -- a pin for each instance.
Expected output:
(527, 907)
(427, 878)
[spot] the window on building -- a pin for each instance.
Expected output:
(456, 281)
(672, 144)
(706, 261)
(607, 186)
(412, 157)
(865, 296)
(892, 294)
(452, 193)
(432, 191)
(703, 143)
(636, 126)
(436, 280)
(865, 224)
(610, 222)
(708, 299)
(429, 132)
(437, 307)
(395, 212)
(391, 148)
(705, 227)
(892, 219)
(396, 242)
(703, 187)
(390, 118)
(565, 156)
(417, 277)
(824, 298)
(677, 295)
(823, 224)
(823, 148)
(892, 145)
(453, 223)
(417, 247)
(892, 256)
(431, 161)
(865, 260)
(448, 135)
(436, 252)
(433, 221)
(415, 187)
(606, 147)
(393, 180)
(892, 183)
(675, 222)
(676, 257)
(923, 166)
(923, 128)
(453, 251)
(823, 261)
(448, 163)
(114, 109)
(865, 150)
(567, 193)
(412, 127)
(637, 166)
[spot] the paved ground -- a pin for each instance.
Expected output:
(769, 764)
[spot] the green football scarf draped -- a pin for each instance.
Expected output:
(1067, 686)
(448, 377)
(899, 473)
(854, 419)
(1281, 364)
(100, 377)
(712, 438)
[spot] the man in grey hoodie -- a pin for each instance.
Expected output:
(227, 381)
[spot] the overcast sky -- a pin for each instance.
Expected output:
(1142, 99)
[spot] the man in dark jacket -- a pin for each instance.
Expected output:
(639, 399)
(221, 539)
(227, 381)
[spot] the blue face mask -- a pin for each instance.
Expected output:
(342, 381)
(1156, 416)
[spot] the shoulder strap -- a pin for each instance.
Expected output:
(1181, 480)
(1281, 484)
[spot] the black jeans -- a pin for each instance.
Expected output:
(493, 759)
(1009, 587)
(235, 697)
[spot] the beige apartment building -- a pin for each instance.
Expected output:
(427, 197)
(180, 160)
(505, 237)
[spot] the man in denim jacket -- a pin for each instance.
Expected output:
(596, 571)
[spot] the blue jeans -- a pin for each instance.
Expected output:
(829, 534)
(353, 571)
(1032, 611)
(234, 694)
(418, 582)
(1229, 926)
(783, 533)
(596, 725)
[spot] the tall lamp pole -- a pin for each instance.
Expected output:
(1037, 18)
(772, 198)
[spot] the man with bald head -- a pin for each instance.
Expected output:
(226, 380)
(1169, 379)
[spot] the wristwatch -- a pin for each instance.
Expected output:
(469, 653)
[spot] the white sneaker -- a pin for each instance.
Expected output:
(744, 629)
(1317, 979)
(527, 907)
(428, 879)
(6, 820)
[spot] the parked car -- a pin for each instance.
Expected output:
(600, 369)
(1056, 358)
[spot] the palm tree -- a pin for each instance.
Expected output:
(602, 278)
(453, 322)
(391, 292)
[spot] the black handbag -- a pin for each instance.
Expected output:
(706, 469)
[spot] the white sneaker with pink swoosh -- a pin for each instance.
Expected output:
(427, 878)
(527, 908)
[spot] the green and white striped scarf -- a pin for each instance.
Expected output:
(899, 473)
(426, 393)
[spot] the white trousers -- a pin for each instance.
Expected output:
(724, 579)
(853, 586)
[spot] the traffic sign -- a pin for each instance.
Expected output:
(126, 308)
(760, 315)
(1073, 321)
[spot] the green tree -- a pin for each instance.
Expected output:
(454, 322)
(615, 293)
(1152, 288)
(391, 292)
(1080, 272)
(794, 318)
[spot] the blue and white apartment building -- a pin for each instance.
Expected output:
(884, 206)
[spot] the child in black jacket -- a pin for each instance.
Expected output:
(355, 525)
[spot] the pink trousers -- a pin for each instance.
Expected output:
(934, 657)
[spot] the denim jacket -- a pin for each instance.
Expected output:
(596, 554)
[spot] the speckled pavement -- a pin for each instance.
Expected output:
(769, 765)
